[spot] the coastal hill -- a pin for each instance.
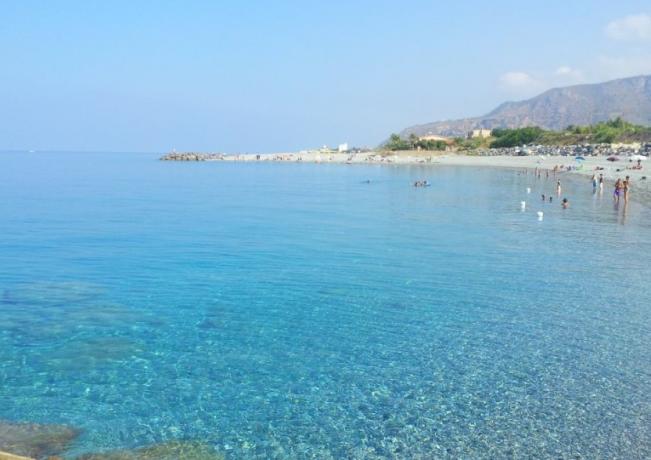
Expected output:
(555, 109)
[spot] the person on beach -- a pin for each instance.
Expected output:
(626, 186)
(618, 191)
(543, 197)
(565, 204)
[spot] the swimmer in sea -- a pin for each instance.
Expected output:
(565, 204)
(550, 198)
(543, 197)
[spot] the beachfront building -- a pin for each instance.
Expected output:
(435, 137)
(342, 148)
(481, 133)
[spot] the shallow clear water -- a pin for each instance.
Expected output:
(294, 311)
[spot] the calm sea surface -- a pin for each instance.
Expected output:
(295, 311)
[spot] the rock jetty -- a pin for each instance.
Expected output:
(192, 156)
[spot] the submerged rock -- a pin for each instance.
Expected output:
(8, 456)
(51, 293)
(34, 440)
(92, 352)
(173, 450)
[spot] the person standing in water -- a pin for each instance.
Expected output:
(595, 183)
(601, 183)
(618, 190)
(558, 187)
(626, 186)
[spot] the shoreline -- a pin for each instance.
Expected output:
(640, 189)
(640, 184)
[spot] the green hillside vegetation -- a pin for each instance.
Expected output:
(464, 144)
(607, 132)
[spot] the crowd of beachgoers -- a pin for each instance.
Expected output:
(621, 187)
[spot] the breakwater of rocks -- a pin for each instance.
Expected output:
(192, 156)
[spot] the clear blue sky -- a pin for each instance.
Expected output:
(272, 76)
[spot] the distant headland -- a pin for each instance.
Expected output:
(558, 108)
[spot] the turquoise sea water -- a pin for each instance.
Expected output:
(295, 311)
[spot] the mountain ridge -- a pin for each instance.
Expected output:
(557, 108)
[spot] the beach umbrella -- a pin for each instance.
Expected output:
(638, 158)
(612, 158)
(579, 159)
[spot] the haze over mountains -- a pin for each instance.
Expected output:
(555, 109)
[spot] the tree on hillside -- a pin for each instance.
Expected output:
(516, 137)
(395, 142)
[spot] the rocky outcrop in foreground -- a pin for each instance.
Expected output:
(6, 456)
(28, 441)
(34, 440)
